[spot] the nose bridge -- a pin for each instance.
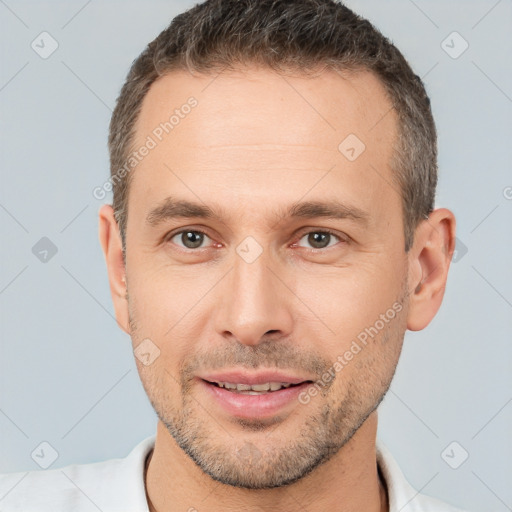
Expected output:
(253, 300)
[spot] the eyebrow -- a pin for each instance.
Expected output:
(171, 208)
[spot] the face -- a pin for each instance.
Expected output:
(265, 244)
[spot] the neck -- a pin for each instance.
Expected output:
(348, 482)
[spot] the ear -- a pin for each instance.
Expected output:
(429, 261)
(110, 239)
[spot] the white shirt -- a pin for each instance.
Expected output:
(117, 485)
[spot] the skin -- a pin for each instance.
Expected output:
(256, 143)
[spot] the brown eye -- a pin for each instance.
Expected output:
(189, 239)
(320, 239)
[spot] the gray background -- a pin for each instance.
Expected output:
(67, 374)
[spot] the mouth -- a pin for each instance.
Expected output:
(253, 400)
(256, 389)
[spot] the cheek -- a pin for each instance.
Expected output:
(344, 303)
(173, 307)
(365, 365)
(164, 295)
(162, 385)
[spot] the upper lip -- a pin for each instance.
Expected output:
(261, 377)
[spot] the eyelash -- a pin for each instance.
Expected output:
(171, 235)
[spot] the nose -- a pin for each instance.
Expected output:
(254, 303)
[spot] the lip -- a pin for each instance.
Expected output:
(261, 406)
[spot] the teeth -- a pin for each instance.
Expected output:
(262, 387)
(255, 388)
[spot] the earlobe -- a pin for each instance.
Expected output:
(429, 262)
(110, 240)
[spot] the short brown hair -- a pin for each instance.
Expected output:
(297, 35)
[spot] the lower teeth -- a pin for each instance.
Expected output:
(252, 392)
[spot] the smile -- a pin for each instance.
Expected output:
(253, 401)
(254, 389)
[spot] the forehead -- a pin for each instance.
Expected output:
(256, 132)
(260, 106)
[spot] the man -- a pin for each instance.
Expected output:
(272, 237)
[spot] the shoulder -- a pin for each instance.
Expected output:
(402, 496)
(113, 485)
